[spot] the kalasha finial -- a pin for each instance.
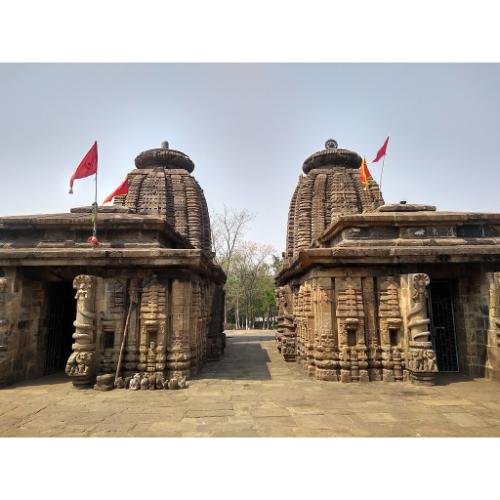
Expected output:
(164, 145)
(331, 144)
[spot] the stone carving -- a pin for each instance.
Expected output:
(135, 382)
(351, 330)
(4, 322)
(285, 335)
(324, 340)
(422, 360)
(390, 329)
(80, 365)
(494, 310)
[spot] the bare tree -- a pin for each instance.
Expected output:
(250, 263)
(228, 228)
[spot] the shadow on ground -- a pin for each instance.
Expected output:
(53, 379)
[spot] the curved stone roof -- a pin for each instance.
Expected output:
(331, 187)
(162, 185)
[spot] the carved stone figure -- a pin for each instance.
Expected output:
(151, 357)
(390, 329)
(80, 365)
(422, 360)
(135, 382)
(144, 383)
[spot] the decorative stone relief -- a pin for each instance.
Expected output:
(325, 345)
(422, 359)
(391, 335)
(286, 333)
(351, 330)
(153, 327)
(80, 365)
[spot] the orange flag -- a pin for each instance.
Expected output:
(120, 190)
(87, 167)
(364, 173)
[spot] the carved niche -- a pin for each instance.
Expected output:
(353, 359)
(179, 352)
(113, 320)
(153, 329)
(286, 327)
(131, 345)
(391, 335)
(421, 357)
(80, 366)
(325, 345)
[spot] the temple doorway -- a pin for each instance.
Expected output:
(60, 317)
(443, 326)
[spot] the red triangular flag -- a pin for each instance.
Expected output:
(381, 151)
(120, 190)
(87, 167)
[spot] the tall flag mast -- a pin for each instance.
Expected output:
(381, 153)
(86, 168)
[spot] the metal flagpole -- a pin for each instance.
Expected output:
(93, 240)
(382, 173)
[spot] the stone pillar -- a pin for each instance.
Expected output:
(81, 363)
(421, 360)
(372, 336)
(196, 328)
(132, 343)
(179, 353)
(287, 334)
(325, 345)
(391, 338)
(153, 329)
(493, 340)
(351, 330)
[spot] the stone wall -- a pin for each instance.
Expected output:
(174, 326)
(375, 324)
(22, 305)
(493, 335)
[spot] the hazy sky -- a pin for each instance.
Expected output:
(248, 129)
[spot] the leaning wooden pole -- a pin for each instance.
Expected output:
(124, 337)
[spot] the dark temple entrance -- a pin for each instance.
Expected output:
(61, 314)
(443, 326)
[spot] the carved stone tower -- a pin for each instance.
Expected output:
(329, 188)
(162, 185)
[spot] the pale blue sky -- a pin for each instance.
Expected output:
(248, 128)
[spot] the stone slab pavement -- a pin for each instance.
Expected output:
(252, 392)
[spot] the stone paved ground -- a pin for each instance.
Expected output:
(253, 392)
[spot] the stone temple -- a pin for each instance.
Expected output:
(374, 291)
(149, 298)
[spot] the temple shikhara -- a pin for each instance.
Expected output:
(371, 291)
(149, 299)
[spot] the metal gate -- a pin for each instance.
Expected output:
(61, 314)
(443, 326)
